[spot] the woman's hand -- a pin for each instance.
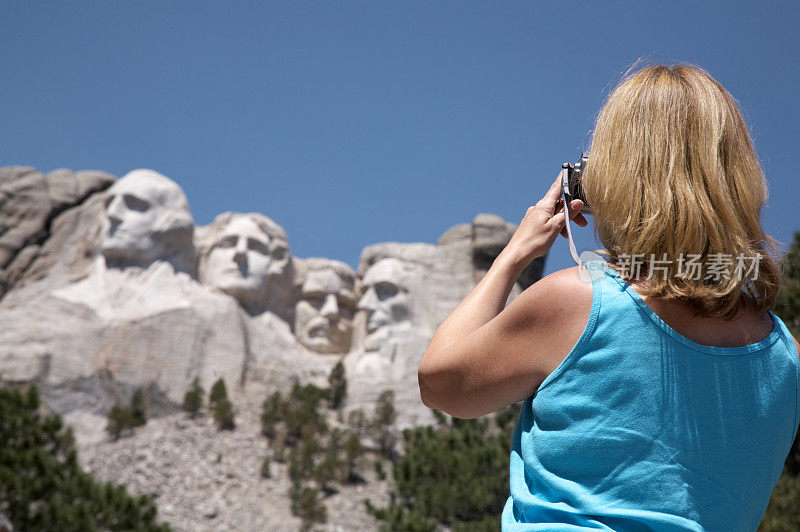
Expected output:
(541, 226)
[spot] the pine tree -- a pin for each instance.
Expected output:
(453, 474)
(787, 306)
(383, 423)
(357, 422)
(138, 411)
(353, 451)
(301, 415)
(337, 384)
(217, 393)
(307, 505)
(302, 460)
(224, 415)
(193, 399)
(279, 453)
(265, 468)
(781, 513)
(332, 468)
(42, 486)
(119, 419)
(271, 414)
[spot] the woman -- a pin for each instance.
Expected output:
(660, 397)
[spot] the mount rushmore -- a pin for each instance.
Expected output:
(107, 285)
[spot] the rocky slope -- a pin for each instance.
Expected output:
(204, 479)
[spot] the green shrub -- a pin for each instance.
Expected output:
(271, 415)
(138, 410)
(118, 420)
(454, 474)
(782, 512)
(223, 414)
(353, 452)
(383, 423)
(218, 393)
(307, 505)
(42, 486)
(337, 384)
(265, 468)
(301, 414)
(193, 399)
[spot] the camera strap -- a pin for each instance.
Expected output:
(566, 197)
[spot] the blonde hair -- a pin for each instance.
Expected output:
(672, 171)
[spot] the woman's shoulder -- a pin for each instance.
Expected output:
(565, 293)
(561, 303)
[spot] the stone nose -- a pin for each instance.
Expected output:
(115, 210)
(240, 253)
(330, 308)
(369, 301)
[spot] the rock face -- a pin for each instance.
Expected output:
(29, 203)
(108, 286)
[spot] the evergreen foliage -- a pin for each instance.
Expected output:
(271, 411)
(377, 464)
(302, 417)
(265, 468)
(382, 423)
(318, 458)
(332, 467)
(279, 453)
(302, 460)
(218, 392)
(138, 410)
(193, 399)
(337, 384)
(353, 452)
(787, 307)
(782, 513)
(307, 505)
(42, 486)
(119, 419)
(223, 414)
(123, 418)
(357, 422)
(454, 474)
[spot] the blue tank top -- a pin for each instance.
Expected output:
(643, 429)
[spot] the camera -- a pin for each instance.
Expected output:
(572, 188)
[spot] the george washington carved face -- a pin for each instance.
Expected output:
(147, 218)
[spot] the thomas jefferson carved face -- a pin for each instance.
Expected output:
(324, 313)
(147, 218)
(386, 301)
(242, 255)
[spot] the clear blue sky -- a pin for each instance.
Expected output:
(351, 123)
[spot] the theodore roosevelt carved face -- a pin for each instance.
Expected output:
(147, 218)
(325, 308)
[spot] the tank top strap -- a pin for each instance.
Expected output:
(636, 300)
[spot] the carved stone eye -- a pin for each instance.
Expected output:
(226, 242)
(385, 290)
(135, 203)
(258, 246)
(316, 299)
(279, 253)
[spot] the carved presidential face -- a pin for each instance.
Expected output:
(490, 234)
(146, 218)
(241, 257)
(385, 300)
(324, 313)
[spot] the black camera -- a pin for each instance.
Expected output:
(571, 184)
